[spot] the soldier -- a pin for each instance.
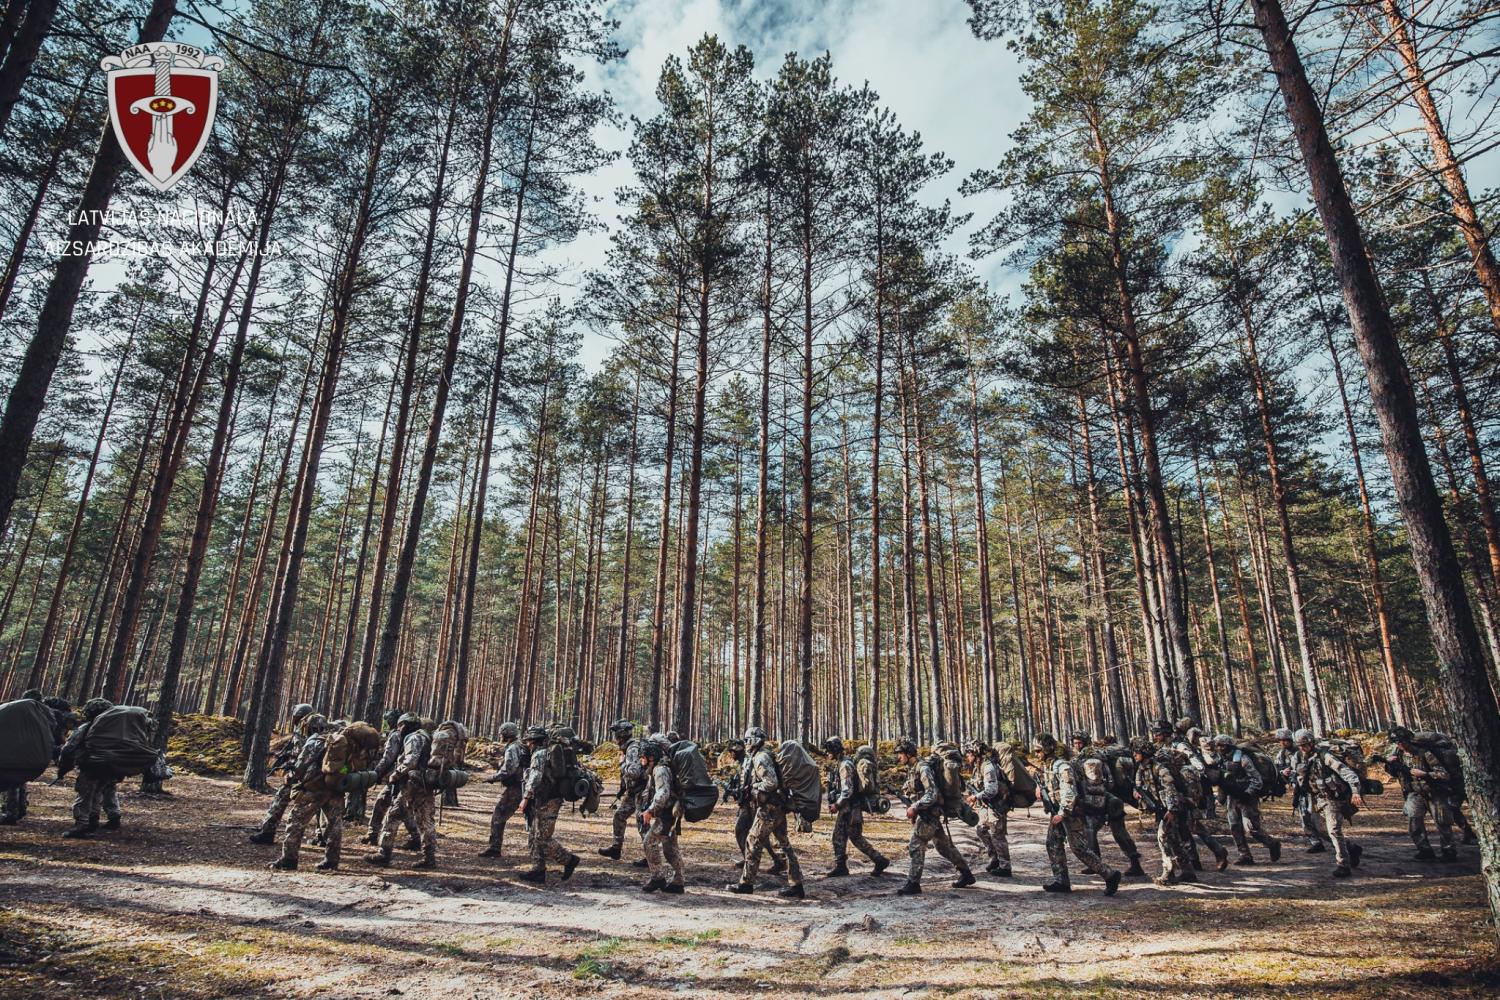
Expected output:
(763, 789)
(412, 799)
(63, 721)
(1427, 786)
(1160, 790)
(1286, 753)
(991, 799)
(1058, 783)
(732, 757)
(632, 784)
(311, 796)
(1100, 781)
(541, 800)
(1332, 788)
(745, 806)
(1193, 774)
(661, 819)
(90, 793)
(383, 767)
(1242, 784)
(266, 832)
(925, 810)
(515, 758)
(849, 814)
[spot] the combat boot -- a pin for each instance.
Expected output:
(113, 823)
(1165, 881)
(837, 871)
(1355, 853)
(1135, 866)
(1450, 854)
(657, 884)
(412, 844)
(429, 860)
(612, 852)
(536, 875)
(94, 821)
(1111, 883)
(881, 864)
(1316, 847)
(262, 837)
(327, 866)
(283, 864)
(1222, 862)
(1244, 859)
(1424, 853)
(910, 888)
(569, 865)
(1056, 886)
(378, 858)
(1341, 871)
(1274, 846)
(1003, 872)
(76, 833)
(490, 852)
(741, 888)
(965, 879)
(792, 892)
(674, 889)
(640, 863)
(1188, 876)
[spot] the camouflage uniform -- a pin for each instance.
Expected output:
(1111, 813)
(1285, 759)
(545, 802)
(1314, 775)
(312, 796)
(768, 800)
(387, 795)
(1157, 776)
(662, 853)
(1198, 801)
(267, 829)
(1072, 832)
(849, 818)
(15, 797)
(511, 774)
(927, 827)
(90, 793)
(1243, 785)
(1429, 793)
(632, 784)
(992, 802)
(412, 800)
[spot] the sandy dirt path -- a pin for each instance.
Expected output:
(177, 904)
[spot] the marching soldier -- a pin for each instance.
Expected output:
(768, 800)
(632, 784)
(1160, 790)
(514, 760)
(541, 801)
(1428, 788)
(412, 800)
(1099, 784)
(1286, 755)
(849, 813)
(90, 793)
(266, 832)
(661, 819)
(927, 828)
(1332, 788)
(1067, 828)
(991, 799)
(1192, 772)
(1242, 784)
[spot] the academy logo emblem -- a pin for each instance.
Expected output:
(162, 100)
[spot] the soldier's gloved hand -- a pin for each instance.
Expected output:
(1056, 819)
(492, 779)
(911, 812)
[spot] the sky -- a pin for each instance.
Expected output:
(961, 94)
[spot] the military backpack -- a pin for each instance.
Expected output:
(694, 786)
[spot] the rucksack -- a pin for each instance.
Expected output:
(1022, 781)
(801, 781)
(351, 749)
(1353, 757)
(25, 741)
(947, 764)
(562, 770)
(694, 786)
(588, 802)
(1272, 784)
(866, 773)
(1441, 745)
(1119, 764)
(119, 744)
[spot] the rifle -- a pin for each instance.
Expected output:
(1047, 803)
(1150, 802)
(284, 758)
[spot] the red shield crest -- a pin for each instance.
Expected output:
(162, 101)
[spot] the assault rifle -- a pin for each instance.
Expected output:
(1150, 802)
(286, 758)
(1047, 803)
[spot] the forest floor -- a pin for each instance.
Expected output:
(177, 904)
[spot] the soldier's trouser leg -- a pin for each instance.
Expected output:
(948, 850)
(993, 835)
(1057, 851)
(378, 810)
(275, 810)
(1174, 863)
(672, 850)
(505, 808)
(87, 794)
(1442, 818)
(411, 806)
(856, 831)
(1123, 840)
(662, 855)
(916, 850)
(1309, 822)
(109, 797)
(300, 809)
(1201, 831)
(770, 824)
(1078, 841)
(743, 821)
(422, 811)
(625, 809)
(333, 812)
(1333, 822)
(1235, 817)
(354, 807)
(1415, 809)
(15, 804)
(544, 844)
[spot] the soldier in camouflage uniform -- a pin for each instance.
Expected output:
(1427, 785)
(311, 796)
(1100, 780)
(848, 814)
(632, 784)
(1067, 828)
(1159, 790)
(1284, 757)
(768, 798)
(541, 801)
(744, 817)
(925, 810)
(90, 793)
(660, 817)
(1243, 786)
(266, 832)
(1332, 788)
(63, 721)
(1194, 766)
(413, 800)
(991, 800)
(387, 794)
(514, 760)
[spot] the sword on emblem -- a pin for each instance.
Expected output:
(161, 150)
